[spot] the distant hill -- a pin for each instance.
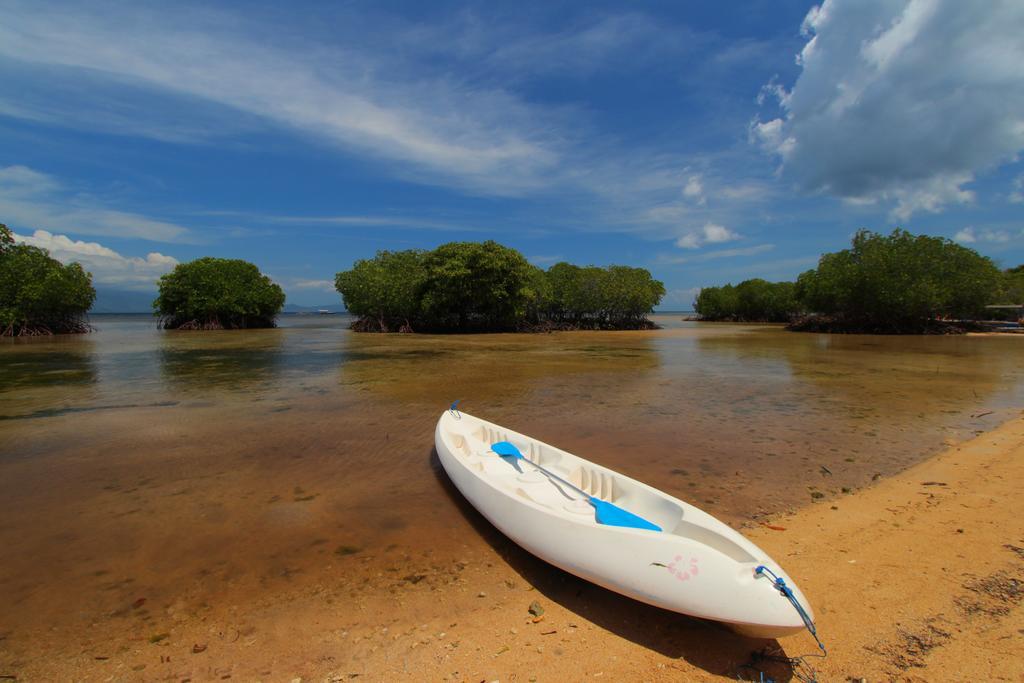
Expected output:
(122, 301)
(295, 308)
(131, 301)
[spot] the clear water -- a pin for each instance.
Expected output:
(198, 467)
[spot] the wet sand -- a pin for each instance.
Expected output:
(918, 578)
(272, 502)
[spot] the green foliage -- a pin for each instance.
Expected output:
(384, 288)
(466, 286)
(6, 239)
(216, 293)
(717, 303)
(1012, 288)
(1010, 292)
(38, 294)
(469, 285)
(753, 300)
(899, 282)
(763, 300)
(612, 297)
(538, 291)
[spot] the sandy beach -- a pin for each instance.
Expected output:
(918, 577)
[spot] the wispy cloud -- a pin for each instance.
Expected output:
(544, 261)
(443, 108)
(718, 254)
(356, 221)
(33, 200)
(442, 129)
(774, 269)
(598, 42)
(320, 285)
(971, 235)
(1017, 195)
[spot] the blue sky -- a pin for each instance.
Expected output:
(708, 142)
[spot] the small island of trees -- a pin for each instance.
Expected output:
(488, 287)
(38, 294)
(216, 294)
(751, 301)
(884, 284)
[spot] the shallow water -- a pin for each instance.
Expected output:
(201, 469)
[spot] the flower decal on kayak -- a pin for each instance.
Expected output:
(682, 569)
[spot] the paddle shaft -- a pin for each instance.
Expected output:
(557, 478)
(604, 512)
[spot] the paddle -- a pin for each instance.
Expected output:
(605, 512)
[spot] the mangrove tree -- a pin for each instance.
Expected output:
(753, 300)
(897, 283)
(215, 293)
(485, 286)
(38, 294)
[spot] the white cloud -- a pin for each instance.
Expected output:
(745, 191)
(30, 199)
(694, 189)
(902, 102)
(106, 265)
(970, 235)
(770, 135)
(711, 233)
(966, 236)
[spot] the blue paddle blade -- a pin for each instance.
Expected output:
(605, 513)
(506, 449)
(612, 515)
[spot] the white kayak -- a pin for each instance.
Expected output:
(695, 564)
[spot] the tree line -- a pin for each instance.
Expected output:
(485, 286)
(883, 283)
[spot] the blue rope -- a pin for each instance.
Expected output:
(779, 583)
(454, 409)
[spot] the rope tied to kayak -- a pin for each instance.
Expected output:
(780, 584)
(454, 409)
(799, 667)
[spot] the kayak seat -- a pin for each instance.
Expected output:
(526, 496)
